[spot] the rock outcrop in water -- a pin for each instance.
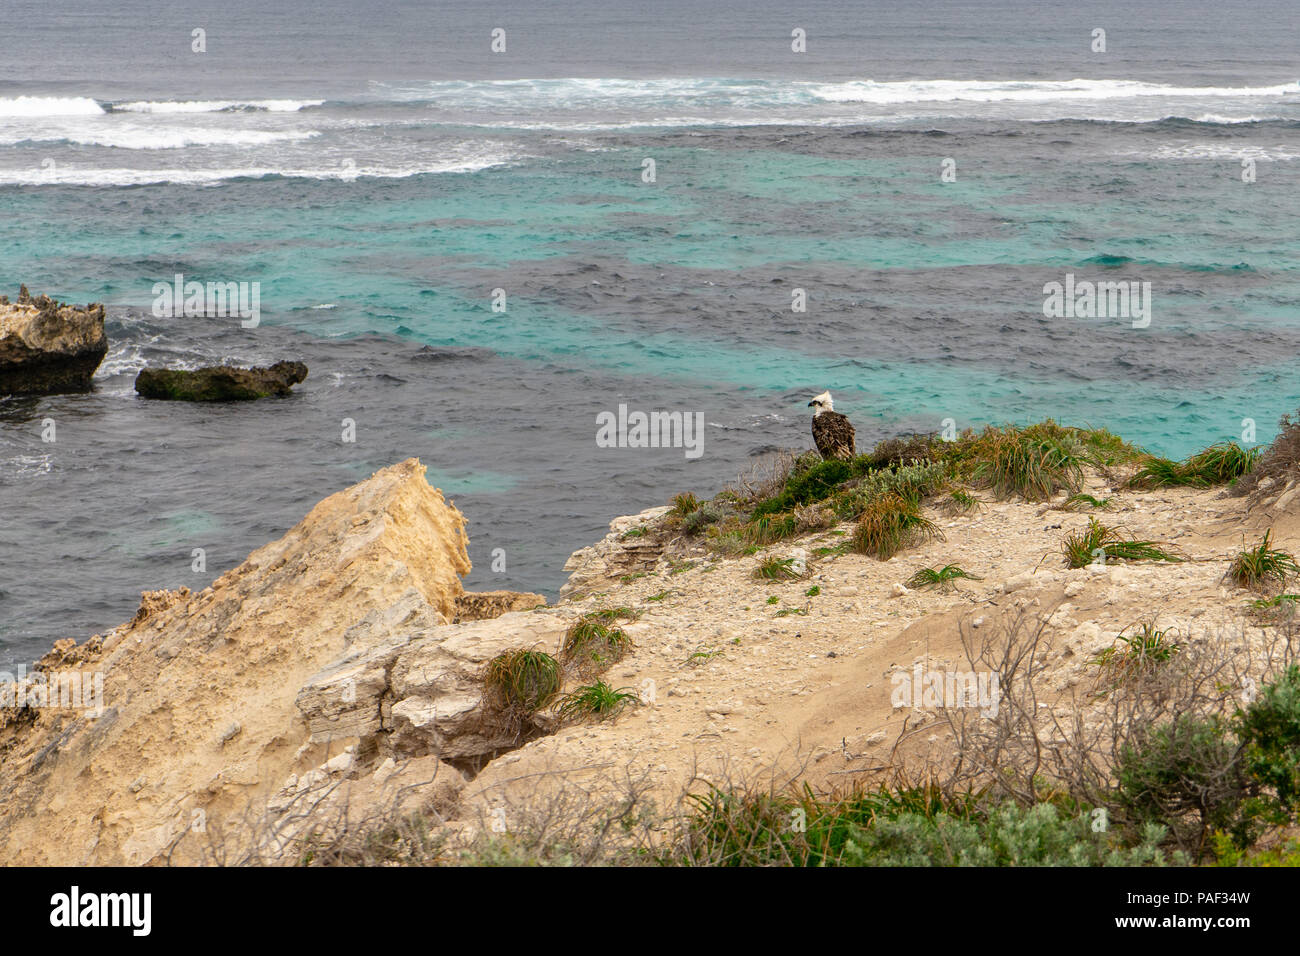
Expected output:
(220, 383)
(320, 679)
(47, 346)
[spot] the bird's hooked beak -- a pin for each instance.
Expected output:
(811, 404)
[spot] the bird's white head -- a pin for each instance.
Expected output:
(822, 403)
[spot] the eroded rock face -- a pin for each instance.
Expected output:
(630, 548)
(47, 346)
(220, 383)
(323, 666)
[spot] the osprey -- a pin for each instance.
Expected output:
(831, 430)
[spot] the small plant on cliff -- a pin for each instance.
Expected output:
(891, 523)
(1099, 541)
(1216, 465)
(597, 700)
(1262, 567)
(685, 504)
(1033, 463)
(1138, 653)
(938, 577)
(523, 681)
(777, 569)
(961, 502)
(1081, 500)
(592, 643)
(1276, 609)
(610, 614)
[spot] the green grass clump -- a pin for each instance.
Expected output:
(1262, 567)
(1036, 461)
(1216, 465)
(597, 700)
(917, 480)
(1084, 547)
(1031, 467)
(1138, 653)
(813, 591)
(1276, 609)
(811, 484)
(523, 681)
(1082, 499)
(961, 502)
(702, 517)
(685, 504)
(891, 523)
(593, 643)
(938, 577)
(769, 529)
(776, 569)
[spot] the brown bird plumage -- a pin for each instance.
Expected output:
(832, 432)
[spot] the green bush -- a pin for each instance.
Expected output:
(1010, 835)
(1183, 774)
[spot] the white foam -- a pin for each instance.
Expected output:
(66, 174)
(20, 106)
(1023, 91)
(141, 137)
(214, 106)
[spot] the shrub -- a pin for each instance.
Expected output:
(1262, 567)
(1279, 463)
(1010, 835)
(1183, 773)
(889, 524)
(811, 484)
(917, 480)
(1269, 732)
(894, 452)
(703, 516)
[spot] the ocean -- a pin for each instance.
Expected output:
(470, 253)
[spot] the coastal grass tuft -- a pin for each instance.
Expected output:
(593, 644)
(1138, 653)
(523, 681)
(1098, 541)
(1262, 567)
(961, 502)
(1217, 465)
(685, 504)
(889, 524)
(939, 577)
(597, 700)
(777, 569)
(1082, 499)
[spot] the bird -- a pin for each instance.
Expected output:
(831, 431)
